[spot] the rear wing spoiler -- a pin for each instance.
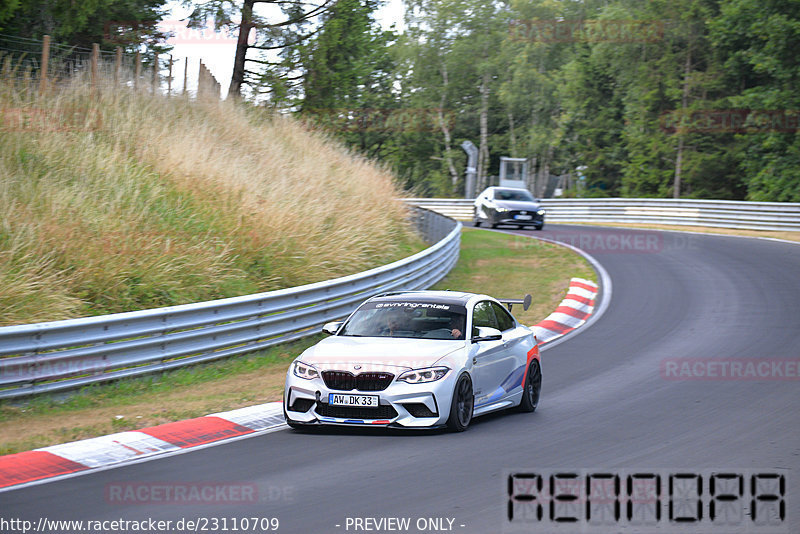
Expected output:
(526, 302)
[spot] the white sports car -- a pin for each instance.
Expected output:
(416, 359)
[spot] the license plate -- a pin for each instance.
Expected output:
(523, 217)
(363, 401)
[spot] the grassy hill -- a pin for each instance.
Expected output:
(114, 201)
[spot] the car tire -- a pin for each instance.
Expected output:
(540, 227)
(532, 389)
(462, 406)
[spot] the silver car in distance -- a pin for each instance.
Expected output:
(416, 359)
(508, 206)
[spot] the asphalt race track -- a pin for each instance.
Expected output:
(616, 397)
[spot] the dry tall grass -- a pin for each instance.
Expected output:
(114, 200)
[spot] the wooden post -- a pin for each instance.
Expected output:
(138, 70)
(169, 80)
(95, 58)
(155, 73)
(185, 72)
(200, 80)
(45, 61)
(117, 65)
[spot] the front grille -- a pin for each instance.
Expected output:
(417, 409)
(346, 381)
(355, 412)
(340, 380)
(373, 381)
(301, 405)
(514, 213)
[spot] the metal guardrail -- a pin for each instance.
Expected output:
(60, 355)
(713, 213)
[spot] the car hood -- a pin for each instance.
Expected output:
(518, 205)
(378, 353)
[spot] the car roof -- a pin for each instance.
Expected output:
(443, 297)
(504, 187)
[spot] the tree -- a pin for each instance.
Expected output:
(340, 56)
(108, 22)
(349, 76)
(453, 68)
(284, 26)
(482, 26)
(7, 10)
(757, 42)
(438, 79)
(530, 88)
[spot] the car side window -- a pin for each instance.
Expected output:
(504, 319)
(483, 315)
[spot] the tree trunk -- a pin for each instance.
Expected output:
(676, 185)
(540, 178)
(535, 170)
(546, 170)
(512, 135)
(448, 157)
(237, 79)
(483, 149)
(530, 180)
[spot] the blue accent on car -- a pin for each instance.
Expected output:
(513, 380)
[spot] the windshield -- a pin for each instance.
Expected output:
(513, 194)
(415, 319)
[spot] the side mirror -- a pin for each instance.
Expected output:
(486, 333)
(331, 328)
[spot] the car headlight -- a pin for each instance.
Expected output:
(540, 212)
(501, 210)
(303, 370)
(421, 376)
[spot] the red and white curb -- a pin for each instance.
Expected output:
(574, 311)
(67, 458)
(59, 460)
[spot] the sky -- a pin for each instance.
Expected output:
(217, 50)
